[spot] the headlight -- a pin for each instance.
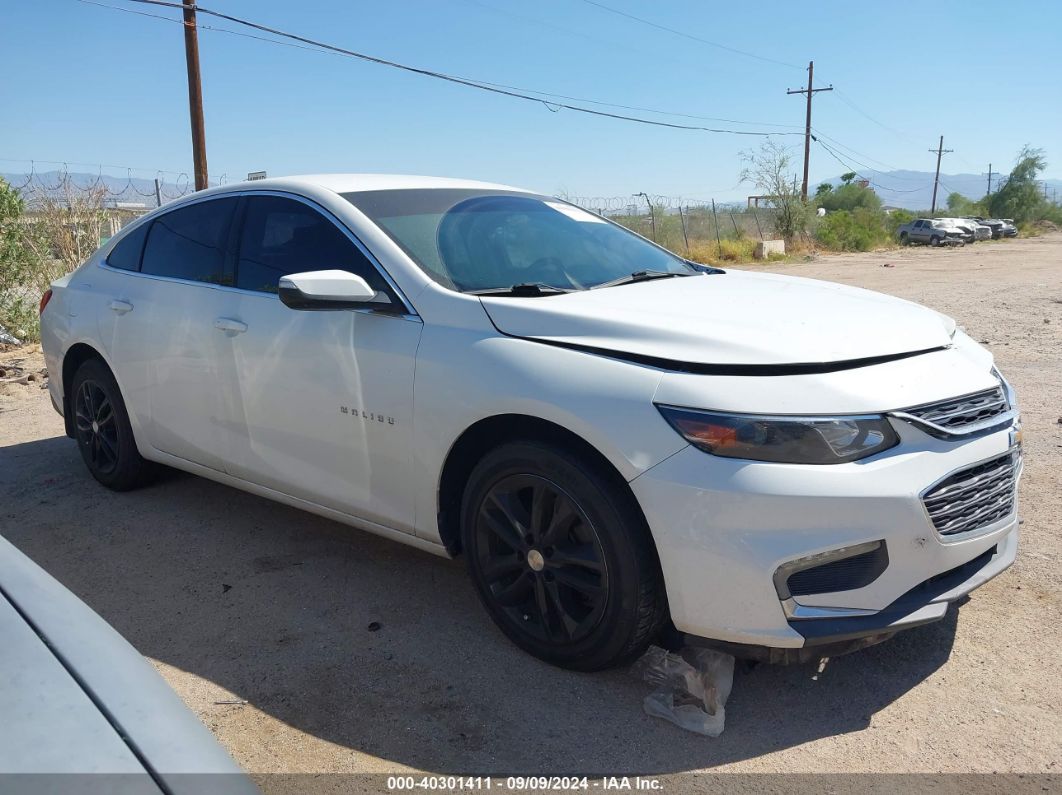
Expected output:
(788, 440)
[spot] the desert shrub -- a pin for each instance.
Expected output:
(39, 247)
(895, 219)
(18, 263)
(859, 230)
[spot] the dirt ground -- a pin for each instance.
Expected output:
(237, 598)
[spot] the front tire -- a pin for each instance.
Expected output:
(561, 557)
(102, 430)
(934, 241)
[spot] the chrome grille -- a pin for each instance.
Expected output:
(962, 411)
(974, 497)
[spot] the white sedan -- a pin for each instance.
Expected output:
(621, 443)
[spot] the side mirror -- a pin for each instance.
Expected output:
(324, 290)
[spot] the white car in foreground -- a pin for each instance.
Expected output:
(619, 442)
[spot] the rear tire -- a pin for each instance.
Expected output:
(102, 430)
(561, 557)
(904, 239)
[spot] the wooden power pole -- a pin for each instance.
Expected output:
(940, 150)
(810, 90)
(989, 193)
(195, 96)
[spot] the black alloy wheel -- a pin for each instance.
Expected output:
(561, 555)
(102, 429)
(97, 428)
(541, 558)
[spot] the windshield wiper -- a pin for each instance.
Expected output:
(523, 290)
(639, 276)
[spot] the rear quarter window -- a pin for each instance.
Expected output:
(126, 254)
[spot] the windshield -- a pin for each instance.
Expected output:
(474, 240)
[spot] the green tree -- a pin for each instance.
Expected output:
(848, 197)
(962, 206)
(770, 170)
(1020, 197)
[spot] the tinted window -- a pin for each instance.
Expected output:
(475, 240)
(282, 236)
(126, 255)
(192, 243)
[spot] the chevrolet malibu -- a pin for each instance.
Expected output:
(622, 444)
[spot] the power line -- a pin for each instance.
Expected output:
(847, 101)
(610, 44)
(848, 166)
(855, 153)
(468, 82)
(690, 36)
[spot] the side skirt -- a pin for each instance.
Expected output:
(310, 507)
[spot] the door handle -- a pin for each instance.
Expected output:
(230, 326)
(121, 307)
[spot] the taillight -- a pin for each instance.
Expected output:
(45, 299)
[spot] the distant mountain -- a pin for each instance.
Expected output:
(913, 190)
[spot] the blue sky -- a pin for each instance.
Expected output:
(86, 84)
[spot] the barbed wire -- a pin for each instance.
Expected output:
(637, 205)
(36, 186)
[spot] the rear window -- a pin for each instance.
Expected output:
(126, 255)
(192, 243)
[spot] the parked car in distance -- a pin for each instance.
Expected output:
(1000, 227)
(82, 710)
(976, 230)
(932, 231)
(621, 443)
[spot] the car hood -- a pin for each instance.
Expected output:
(734, 318)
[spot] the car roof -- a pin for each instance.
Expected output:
(353, 183)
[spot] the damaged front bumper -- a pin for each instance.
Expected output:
(832, 636)
(729, 533)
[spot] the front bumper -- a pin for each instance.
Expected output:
(723, 527)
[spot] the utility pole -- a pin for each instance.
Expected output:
(195, 95)
(652, 214)
(158, 193)
(989, 193)
(940, 150)
(810, 90)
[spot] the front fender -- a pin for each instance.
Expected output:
(467, 375)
